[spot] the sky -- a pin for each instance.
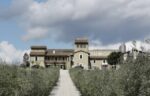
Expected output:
(56, 23)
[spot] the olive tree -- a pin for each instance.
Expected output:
(114, 58)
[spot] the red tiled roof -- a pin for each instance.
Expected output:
(38, 47)
(81, 40)
(59, 52)
(37, 53)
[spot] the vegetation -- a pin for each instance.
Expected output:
(114, 58)
(132, 79)
(16, 81)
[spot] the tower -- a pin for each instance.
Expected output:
(122, 48)
(135, 53)
(81, 53)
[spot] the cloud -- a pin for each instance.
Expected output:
(96, 44)
(36, 33)
(16, 9)
(10, 54)
(109, 21)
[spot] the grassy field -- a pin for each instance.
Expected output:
(16, 81)
(132, 79)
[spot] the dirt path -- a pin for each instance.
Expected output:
(65, 86)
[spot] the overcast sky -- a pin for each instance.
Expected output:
(56, 23)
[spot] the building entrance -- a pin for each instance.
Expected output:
(62, 67)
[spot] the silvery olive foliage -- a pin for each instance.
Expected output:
(26, 62)
(17, 81)
(25, 57)
(132, 79)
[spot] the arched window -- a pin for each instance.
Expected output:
(81, 56)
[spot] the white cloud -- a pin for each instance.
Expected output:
(90, 15)
(96, 44)
(124, 19)
(35, 33)
(10, 54)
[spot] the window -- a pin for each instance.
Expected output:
(94, 61)
(56, 58)
(104, 61)
(81, 56)
(36, 58)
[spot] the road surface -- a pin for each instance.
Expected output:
(65, 86)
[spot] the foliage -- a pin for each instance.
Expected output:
(132, 79)
(16, 81)
(114, 58)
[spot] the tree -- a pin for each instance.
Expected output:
(114, 58)
(26, 62)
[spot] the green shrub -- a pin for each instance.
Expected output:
(93, 82)
(16, 81)
(132, 79)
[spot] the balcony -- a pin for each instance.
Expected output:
(55, 62)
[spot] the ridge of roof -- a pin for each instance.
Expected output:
(38, 47)
(60, 50)
(103, 50)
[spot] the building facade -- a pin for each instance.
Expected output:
(80, 55)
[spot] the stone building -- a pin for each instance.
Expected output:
(68, 58)
(133, 54)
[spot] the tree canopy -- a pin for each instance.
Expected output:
(114, 58)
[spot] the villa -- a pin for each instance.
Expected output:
(68, 58)
(80, 55)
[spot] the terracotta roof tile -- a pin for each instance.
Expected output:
(37, 53)
(38, 47)
(81, 40)
(59, 52)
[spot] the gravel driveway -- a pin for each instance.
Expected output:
(65, 86)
